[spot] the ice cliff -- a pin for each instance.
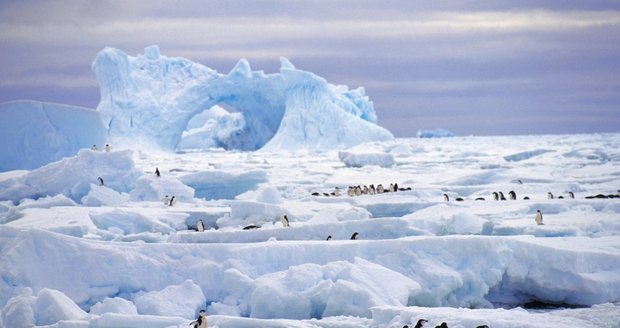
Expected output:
(154, 99)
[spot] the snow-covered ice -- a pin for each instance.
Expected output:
(78, 254)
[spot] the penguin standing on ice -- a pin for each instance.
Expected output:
(201, 322)
(173, 200)
(355, 236)
(446, 198)
(549, 195)
(329, 238)
(512, 195)
(571, 195)
(100, 181)
(443, 325)
(107, 148)
(166, 200)
(157, 172)
(284, 220)
(420, 323)
(538, 218)
(93, 148)
(501, 196)
(200, 226)
(495, 196)
(380, 189)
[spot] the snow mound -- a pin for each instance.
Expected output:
(359, 159)
(184, 300)
(526, 155)
(61, 131)
(74, 177)
(288, 110)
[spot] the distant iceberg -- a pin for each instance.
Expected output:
(153, 99)
(437, 133)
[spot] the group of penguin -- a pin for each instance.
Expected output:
(107, 148)
(421, 323)
(363, 190)
(513, 196)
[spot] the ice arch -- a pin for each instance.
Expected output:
(152, 98)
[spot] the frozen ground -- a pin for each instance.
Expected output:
(77, 254)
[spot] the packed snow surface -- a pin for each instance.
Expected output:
(79, 254)
(292, 109)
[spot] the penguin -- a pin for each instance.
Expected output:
(519, 181)
(173, 200)
(251, 227)
(495, 196)
(166, 200)
(380, 189)
(443, 325)
(284, 220)
(351, 191)
(446, 198)
(329, 238)
(561, 197)
(549, 195)
(107, 148)
(325, 194)
(316, 194)
(201, 322)
(100, 181)
(459, 199)
(371, 190)
(93, 148)
(420, 323)
(157, 172)
(396, 187)
(482, 326)
(200, 226)
(526, 198)
(501, 196)
(538, 218)
(480, 198)
(512, 195)
(571, 195)
(405, 326)
(355, 236)
(336, 192)
(358, 191)
(365, 190)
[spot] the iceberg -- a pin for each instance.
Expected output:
(61, 131)
(152, 99)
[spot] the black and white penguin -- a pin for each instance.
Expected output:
(446, 197)
(495, 196)
(251, 227)
(459, 199)
(351, 191)
(316, 194)
(325, 194)
(482, 326)
(371, 190)
(443, 325)
(173, 200)
(420, 323)
(94, 148)
(538, 218)
(100, 181)
(157, 172)
(512, 195)
(336, 192)
(358, 191)
(480, 198)
(200, 226)
(561, 197)
(166, 200)
(519, 181)
(526, 198)
(365, 190)
(380, 189)
(355, 236)
(571, 195)
(396, 187)
(549, 195)
(405, 326)
(107, 148)
(501, 196)
(201, 322)
(329, 237)
(284, 220)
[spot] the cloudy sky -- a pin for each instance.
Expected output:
(472, 67)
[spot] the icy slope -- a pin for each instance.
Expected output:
(34, 133)
(152, 98)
